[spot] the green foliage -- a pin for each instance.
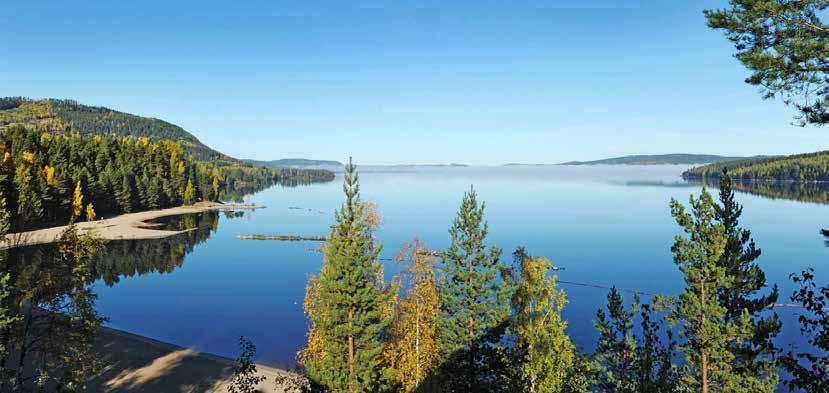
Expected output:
(245, 379)
(631, 364)
(55, 323)
(189, 195)
(347, 308)
(753, 356)
(809, 368)
(474, 303)
(703, 320)
(785, 44)
(42, 176)
(799, 167)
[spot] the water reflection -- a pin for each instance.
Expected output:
(53, 304)
(813, 192)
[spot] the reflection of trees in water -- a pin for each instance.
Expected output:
(241, 189)
(48, 345)
(156, 255)
(796, 191)
(52, 298)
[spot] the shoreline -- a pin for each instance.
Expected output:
(140, 364)
(129, 226)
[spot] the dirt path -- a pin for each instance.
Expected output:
(138, 364)
(126, 226)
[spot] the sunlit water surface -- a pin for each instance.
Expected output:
(603, 225)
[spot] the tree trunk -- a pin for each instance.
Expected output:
(351, 378)
(703, 354)
(417, 343)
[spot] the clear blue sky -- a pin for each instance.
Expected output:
(406, 81)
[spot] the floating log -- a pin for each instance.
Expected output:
(289, 238)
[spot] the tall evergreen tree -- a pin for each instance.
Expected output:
(349, 303)
(631, 364)
(753, 356)
(473, 312)
(29, 206)
(124, 195)
(701, 317)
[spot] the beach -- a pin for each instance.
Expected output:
(130, 226)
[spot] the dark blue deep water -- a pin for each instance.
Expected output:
(604, 225)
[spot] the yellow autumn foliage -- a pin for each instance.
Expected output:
(49, 174)
(90, 213)
(314, 348)
(77, 201)
(28, 157)
(413, 349)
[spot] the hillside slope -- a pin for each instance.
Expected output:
(96, 120)
(798, 167)
(296, 163)
(659, 159)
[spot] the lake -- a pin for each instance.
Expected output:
(605, 225)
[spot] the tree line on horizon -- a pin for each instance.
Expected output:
(464, 320)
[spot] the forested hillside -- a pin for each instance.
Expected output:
(94, 120)
(659, 159)
(49, 178)
(799, 167)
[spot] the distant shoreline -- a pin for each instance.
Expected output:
(130, 226)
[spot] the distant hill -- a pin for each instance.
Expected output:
(295, 163)
(810, 167)
(661, 159)
(97, 120)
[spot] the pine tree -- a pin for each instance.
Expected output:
(545, 353)
(349, 303)
(699, 314)
(753, 356)
(616, 348)
(473, 315)
(77, 201)
(631, 364)
(413, 351)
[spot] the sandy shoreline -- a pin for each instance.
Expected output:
(129, 226)
(140, 364)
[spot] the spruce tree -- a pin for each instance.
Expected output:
(349, 302)
(473, 313)
(753, 356)
(123, 195)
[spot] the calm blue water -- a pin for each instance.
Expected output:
(605, 225)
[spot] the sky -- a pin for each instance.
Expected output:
(476, 82)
